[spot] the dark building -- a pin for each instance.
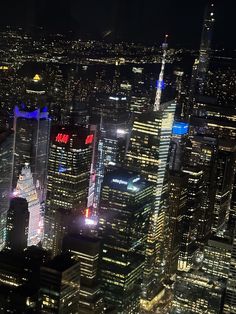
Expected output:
(125, 209)
(174, 248)
(17, 225)
(205, 46)
(60, 285)
(86, 251)
(6, 170)
(113, 108)
(230, 296)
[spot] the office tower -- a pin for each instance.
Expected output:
(211, 119)
(177, 144)
(113, 108)
(86, 251)
(17, 225)
(230, 303)
(79, 113)
(217, 256)
(25, 188)
(6, 163)
(20, 279)
(216, 123)
(60, 285)
(68, 177)
(111, 146)
(148, 153)
(201, 154)
(194, 292)
(225, 170)
(233, 202)
(175, 221)
(141, 96)
(31, 142)
(205, 46)
(125, 208)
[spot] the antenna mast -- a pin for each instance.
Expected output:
(161, 76)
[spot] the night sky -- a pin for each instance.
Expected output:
(132, 20)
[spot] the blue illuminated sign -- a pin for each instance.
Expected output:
(180, 128)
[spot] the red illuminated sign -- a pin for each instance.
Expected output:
(89, 139)
(62, 138)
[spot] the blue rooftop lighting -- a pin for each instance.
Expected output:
(180, 128)
(36, 114)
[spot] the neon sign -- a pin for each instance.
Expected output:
(62, 138)
(89, 139)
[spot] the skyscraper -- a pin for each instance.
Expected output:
(197, 293)
(31, 142)
(6, 170)
(125, 208)
(148, 153)
(17, 225)
(230, 301)
(60, 285)
(87, 251)
(25, 188)
(68, 177)
(111, 146)
(175, 220)
(204, 53)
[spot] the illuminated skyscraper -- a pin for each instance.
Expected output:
(125, 208)
(68, 177)
(110, 151)
(215, 123)
(31, 143)
(25, 188)
(148, 153)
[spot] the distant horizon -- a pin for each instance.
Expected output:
(137, 21)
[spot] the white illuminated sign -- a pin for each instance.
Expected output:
(119, 181)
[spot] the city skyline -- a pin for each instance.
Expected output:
(118, 157)
(115, 20)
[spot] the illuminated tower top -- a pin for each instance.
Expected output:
(161, 76)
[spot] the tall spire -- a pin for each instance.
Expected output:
(161, 76)
(208, 23)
